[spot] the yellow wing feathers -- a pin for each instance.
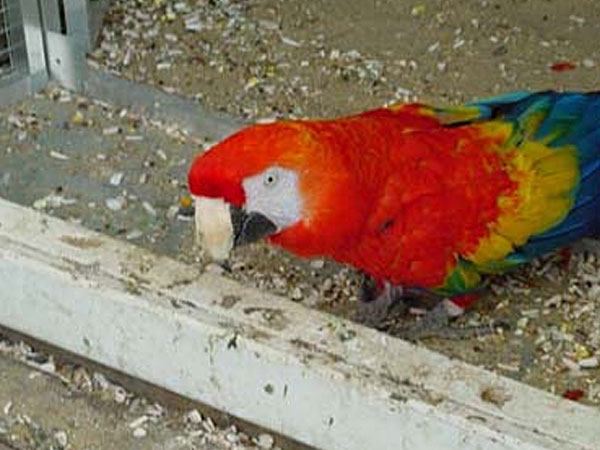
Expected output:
(546, 179)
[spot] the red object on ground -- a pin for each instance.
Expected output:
(562, 66)
(565, 254)
(573, 394)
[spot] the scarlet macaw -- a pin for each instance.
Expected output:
(419, 198)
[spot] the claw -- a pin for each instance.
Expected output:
(374, 313)
(377, 302)
(436, 324)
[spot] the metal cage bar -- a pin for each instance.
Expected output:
(8, 45)
(13, 51)
(45, 39)
(22, 57)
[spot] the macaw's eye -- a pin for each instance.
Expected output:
(270, 179)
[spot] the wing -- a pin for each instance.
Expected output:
(550, 143)
(562, 123)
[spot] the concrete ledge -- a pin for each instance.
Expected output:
(155, 103)
(313, 377)
(14, 90)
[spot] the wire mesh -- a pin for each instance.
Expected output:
(11, 40)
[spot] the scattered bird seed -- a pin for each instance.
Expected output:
(140, 433)
(58, 155)
(134, 234)
(116, 204)
(589, 363)
(149, 208)
(120, 395)
(297, 294)
(61, 438)
(194, 416)
(53, 201)
(111, 130)
(588, 63)
(116, 178)
(265, 441)
(138, 422)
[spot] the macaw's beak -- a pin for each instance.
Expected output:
(248, 228)
(220, 227)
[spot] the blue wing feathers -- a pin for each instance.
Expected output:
(590, 170)
(562, 121)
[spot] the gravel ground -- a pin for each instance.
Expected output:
(47, 404)
(282, 58)
(118, 172)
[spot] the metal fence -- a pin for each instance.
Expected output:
(42, 40)
(13, 57)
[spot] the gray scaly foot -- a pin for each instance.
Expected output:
(436, 323)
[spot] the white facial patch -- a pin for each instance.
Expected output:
(214, 230)
(275, 194)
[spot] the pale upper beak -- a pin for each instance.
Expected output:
(220, 227)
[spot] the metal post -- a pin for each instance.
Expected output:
(34, 43)
(67, 40)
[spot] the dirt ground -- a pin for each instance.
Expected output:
(39, 412)
(266, 59)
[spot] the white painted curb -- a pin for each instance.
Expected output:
(313, 377)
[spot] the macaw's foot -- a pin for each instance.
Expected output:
(436, 323)
(378, 301)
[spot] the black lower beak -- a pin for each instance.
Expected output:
(249, 227)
